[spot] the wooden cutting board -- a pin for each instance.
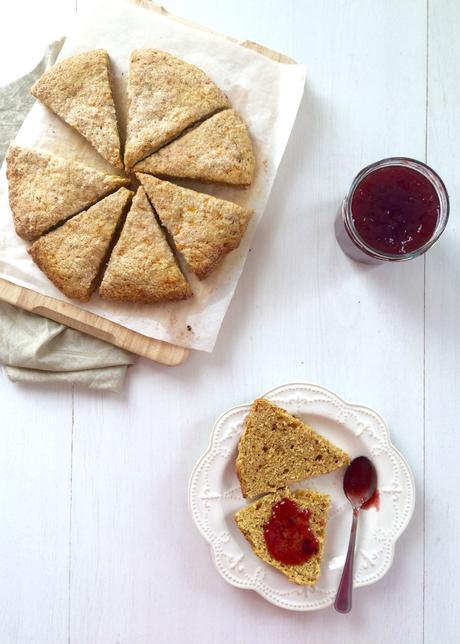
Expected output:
(76, 318)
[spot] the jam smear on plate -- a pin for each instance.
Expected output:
(288, 535)
(373, 502)
(395, 210)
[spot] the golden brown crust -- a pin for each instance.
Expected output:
(45, 189)
(252, 519)
(219, 150)
(78, 89)
(72, 256)
(276, 449)
(204, 228)
(166, 95)
(142, 267)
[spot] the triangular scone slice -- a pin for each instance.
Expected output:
(276, 449)
(78, 89)
(45, 189)
(219, 150)
(72, 256)
(166, 95)
(204, 228)
(142, 267)
(253, 519)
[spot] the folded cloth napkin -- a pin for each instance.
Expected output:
(32, 348)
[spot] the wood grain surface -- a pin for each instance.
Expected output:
(97, 545)
(95, 325)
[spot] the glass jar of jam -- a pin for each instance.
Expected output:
(395, 210)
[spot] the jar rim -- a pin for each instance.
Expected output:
(406, 162)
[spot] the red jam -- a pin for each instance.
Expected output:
(288, 534)
(373, 502)
(395, 209)
(360, 483)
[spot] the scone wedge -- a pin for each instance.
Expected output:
(253, 519)
(204, 228)
(72, 256)
(166, 95)
(142, 267)
(79, 91)
(219, 150)
(276, 449)
(45, 189)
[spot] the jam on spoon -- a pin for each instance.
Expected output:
(360, 486)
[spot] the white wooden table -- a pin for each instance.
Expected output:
(96, 542)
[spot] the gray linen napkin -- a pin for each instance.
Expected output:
(32, 348)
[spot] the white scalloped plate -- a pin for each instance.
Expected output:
(215, 495)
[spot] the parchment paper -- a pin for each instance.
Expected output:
(266, 93)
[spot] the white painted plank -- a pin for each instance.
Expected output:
(35, 447)
(35, 438)
(442, 515)
(22, 44)
(140, 571)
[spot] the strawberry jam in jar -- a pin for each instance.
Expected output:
(395, 210)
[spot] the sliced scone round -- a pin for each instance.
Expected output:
(166, 95)
(295, 532)
(78, 89)
(219, 150)
(142, 267)
(204, 228)
(276, 449)
(45, 189)
(73, 255)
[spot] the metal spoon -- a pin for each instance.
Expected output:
(359, 485)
